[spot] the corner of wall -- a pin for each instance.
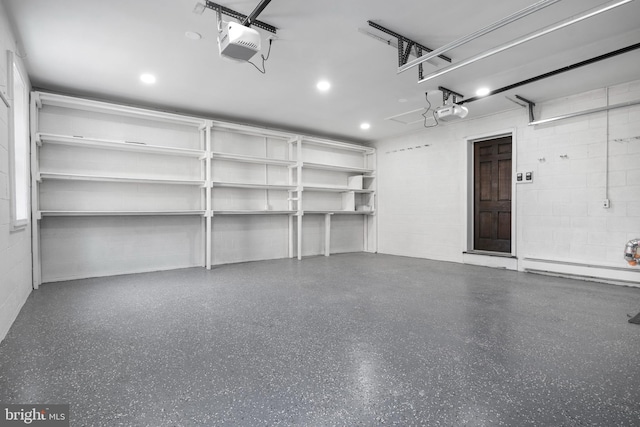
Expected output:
(15, 246)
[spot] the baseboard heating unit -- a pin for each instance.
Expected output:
(615, 275)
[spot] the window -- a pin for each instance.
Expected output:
(19, 146)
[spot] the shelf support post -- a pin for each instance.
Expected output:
(35, 192)
(291, 193)
(299, 192)
(327, 234)
(208, 202)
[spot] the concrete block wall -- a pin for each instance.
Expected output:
(15, 246)
(422, 187)
(576, 167)
(423, 184)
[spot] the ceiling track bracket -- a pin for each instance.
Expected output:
(530, 106)
(447, 93)
(244, 19)
(403, 54)
(411, 45)
(420, 70)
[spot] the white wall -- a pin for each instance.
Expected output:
(15, 247)
(422, 189)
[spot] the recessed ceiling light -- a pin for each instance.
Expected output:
(364, 126)
(402, 100)
(483, 91)
(323, 85)
(192, 35)
(148, 78)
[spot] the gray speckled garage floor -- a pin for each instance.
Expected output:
(354, 339)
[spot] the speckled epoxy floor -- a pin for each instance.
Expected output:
(354, 339)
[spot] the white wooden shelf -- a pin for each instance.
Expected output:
(251, 159)
(250, 130)
(107, 144)
(56, 100)
(97, 178)
(218, 184)
(122, 213)
(338, 212)
(335, 189)
(335, 168)
(253, 212)
(337, 145)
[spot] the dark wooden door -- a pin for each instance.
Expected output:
(492, 195)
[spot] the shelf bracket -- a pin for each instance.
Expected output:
(37, 99)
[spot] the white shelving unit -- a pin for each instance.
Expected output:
(102, 161)
(351, 169)
(252, 183)
(75, 156)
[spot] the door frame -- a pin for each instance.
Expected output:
(468, 192)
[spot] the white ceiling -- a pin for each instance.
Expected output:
(99, 48)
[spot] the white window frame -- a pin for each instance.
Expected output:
(19, 155)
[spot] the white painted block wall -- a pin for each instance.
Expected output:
(422, 184)
(15, 246)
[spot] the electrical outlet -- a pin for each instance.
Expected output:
(606, 203)
(524, 177)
